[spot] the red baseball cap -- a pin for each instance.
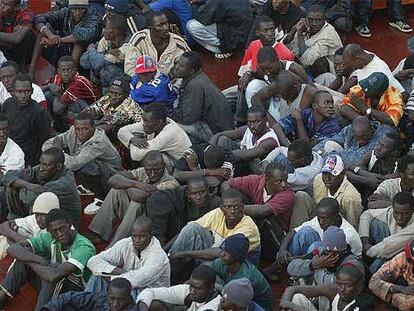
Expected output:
(145, 64)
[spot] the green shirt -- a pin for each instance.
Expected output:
(262, 291)
(78, 254)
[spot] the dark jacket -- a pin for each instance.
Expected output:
(285, 21)
(200, 100)
(234, 18)
(171, 210)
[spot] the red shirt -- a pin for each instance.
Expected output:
(281, 203)
(249, 61)
(22, 18)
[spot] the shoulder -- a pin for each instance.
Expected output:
(180, 42)
(139, 36)
(81, 241)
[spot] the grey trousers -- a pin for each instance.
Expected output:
(205, 35)
(116, 204)
(198, 132)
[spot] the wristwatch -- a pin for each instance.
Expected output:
(356, 169)
(368, 112)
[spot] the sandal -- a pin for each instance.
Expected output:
(93, 208)
(222, 55)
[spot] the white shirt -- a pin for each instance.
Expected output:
(37, 95)
(151, 268)
(352, 236)
(248, 141)
(12, 157)
(176, 295)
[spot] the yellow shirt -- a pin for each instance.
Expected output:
(215, 222)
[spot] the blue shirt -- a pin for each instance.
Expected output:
(158, 90)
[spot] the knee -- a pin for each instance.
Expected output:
(343, 25)
(192, 228)
(192, 26)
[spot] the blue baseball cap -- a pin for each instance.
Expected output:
(118, 6)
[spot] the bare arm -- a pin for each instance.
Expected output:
(260, 151)
(7, 231)
(23, 253)
(301, 73)
(310, 291)
(348, 113)
(261, 97)
(205, 254)
(344, 89)
(258, 211)
(53, 274)
(232, 134)
(15, 37)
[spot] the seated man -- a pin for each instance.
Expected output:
(341, 73)
(157, 42)
(221, 27)
(67, 31)
(29, 124)
(139, 258)
(105, 61)
(393, 281)
(117, 298)
(384, 194)
(376, 166)
(171, 210)
(313, 37)
(202, 109)
(20, 229)
(155, 132)
(269, 195)
(91, 156)
(313, 124)
(332, 182)
(201, 239)
(375, 98)
(8, 73)
(55, 261)
(16, 36)
(199, 294)
(324, 260)
(238, 295)
(68, 93)
(126, 200)
(51, 175)
(384, 231)
(300, 297)
(148, 86)
(257, 140)
(354, 141)
(11, 158)
(233, 265)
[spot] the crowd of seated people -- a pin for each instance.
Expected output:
(201, 198)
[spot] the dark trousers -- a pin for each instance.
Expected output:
(363, 11)
(20, 273)
(21, 53)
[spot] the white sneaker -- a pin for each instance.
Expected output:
(401, 26)
(93, 208)
(83, 191)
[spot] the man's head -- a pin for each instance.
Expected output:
(362, 131)
(402, 208)
(116, 28)
(59, 226)
(154, 166)
(389, 146)
(78, 9)
(158, 25)
(300, 153)
(237, 295)
(268, 61)
(141, 233)
(214, 156)
(265, 30)
(280, 5)
(334, 241)
(23, 89)
(51, 162)
(333, 172)
(234, 249)
(349, 282)
(9, 7)
(315, 18)
(66, 68)
(4, 130)
(288, 85)
(202, 283)
(328, 212)
(405, 168)
(257, 119)
(146, 68)
(119, 90)
(84, 127)
(43, 204)
(375, 85)
(154, 118)
(8, 72)
(232, 207)
(188, 63)
(197, 191)
(119, 294)
(354, 57)
(339, 62)
(323, 104)
(117, 7)
(276, 177)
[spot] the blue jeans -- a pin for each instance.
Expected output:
(378, 231)
(304, 241)
(363, 10)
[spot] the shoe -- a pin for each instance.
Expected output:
(363, 31)
(93, 208)
(401, 26)
(83, 191)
